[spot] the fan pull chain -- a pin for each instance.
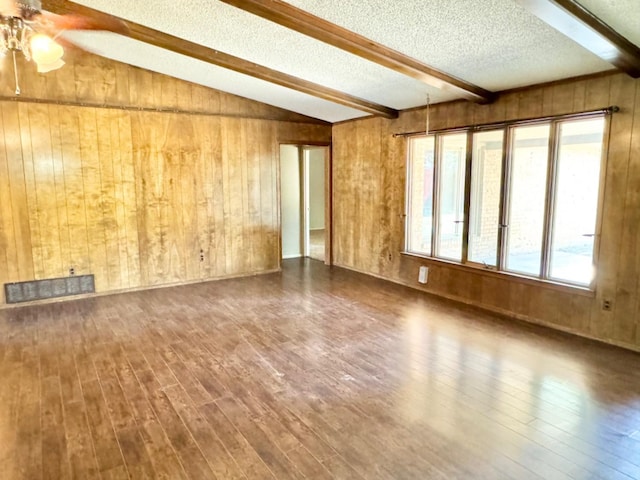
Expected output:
(15, 73)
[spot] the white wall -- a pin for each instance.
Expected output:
(316, 187)
(290, 201)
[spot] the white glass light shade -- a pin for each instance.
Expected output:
(45, 51)
(50, 67)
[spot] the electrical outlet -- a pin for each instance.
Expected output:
(72, 272)
(202, 255)
(423, 275)
(607, 305)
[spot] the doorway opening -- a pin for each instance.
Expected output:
(305, 202)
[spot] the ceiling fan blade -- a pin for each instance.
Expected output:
(58, 23)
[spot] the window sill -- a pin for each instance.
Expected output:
(537, 282)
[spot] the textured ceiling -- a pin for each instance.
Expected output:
(492, 43)
(621, 15)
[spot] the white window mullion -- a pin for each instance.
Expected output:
(503, 224)
(550, 202)
(436, 195)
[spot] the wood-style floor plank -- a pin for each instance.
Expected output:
(314, 373)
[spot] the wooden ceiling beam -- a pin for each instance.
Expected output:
(579, 24)
(303, 22)
(221, 59)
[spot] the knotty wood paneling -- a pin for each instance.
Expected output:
(138, 198)
(98, 81)
(369, 181)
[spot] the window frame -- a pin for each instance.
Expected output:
(508, 129)
(470, 145)
(409, 201)
(437, 195)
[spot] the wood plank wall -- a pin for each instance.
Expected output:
(369, 182)
(139, 198)
(95, 80)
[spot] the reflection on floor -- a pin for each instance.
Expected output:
(316, 244)
(311, 373)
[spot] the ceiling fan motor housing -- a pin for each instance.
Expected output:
(29, 8)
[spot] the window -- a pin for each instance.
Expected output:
(527, 199)
(576, 200)
(450, 204)
(420, 194)
(519, 198)
(486, 181)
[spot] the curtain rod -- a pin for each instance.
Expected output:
(607, 111)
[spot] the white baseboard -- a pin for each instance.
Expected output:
(287, 257)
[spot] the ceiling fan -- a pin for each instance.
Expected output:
(26, 28)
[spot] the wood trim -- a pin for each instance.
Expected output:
(278, 200)
(576, 22)
(328, 194)
(503, 274)
(328, 206)
(303, 143)
(554, 83)
(230, 62)
(296, 19)
(501, 93)
(507, 123)
(75, 298)
(302, 185)
(130, 108)
(343, 122)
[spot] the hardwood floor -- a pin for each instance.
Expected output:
(316, 244)
(313, 373)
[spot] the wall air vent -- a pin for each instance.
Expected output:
(50, 288)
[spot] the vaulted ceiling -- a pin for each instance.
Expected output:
(479, 47)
